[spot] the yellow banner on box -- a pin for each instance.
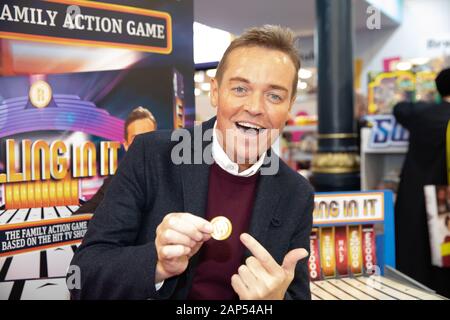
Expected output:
(348, 208)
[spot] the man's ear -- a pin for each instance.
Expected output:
(214, 93)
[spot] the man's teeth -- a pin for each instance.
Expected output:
(249, 125)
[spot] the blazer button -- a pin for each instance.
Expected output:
(275, 222)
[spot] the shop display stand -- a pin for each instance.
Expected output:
(387, 283)
(377, 163)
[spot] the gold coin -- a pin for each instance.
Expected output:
(221, 228)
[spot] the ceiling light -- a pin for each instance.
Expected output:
(304, 73)
(302, 85)
(199, 77)
(205, 86)
(211, 73)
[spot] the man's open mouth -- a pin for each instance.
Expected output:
(249, 128)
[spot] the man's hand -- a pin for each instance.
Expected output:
(178, 237)
(262, 278)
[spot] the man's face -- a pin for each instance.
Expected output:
(137, 127)
(253, 101)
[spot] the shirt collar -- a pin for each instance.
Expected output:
(222, 159)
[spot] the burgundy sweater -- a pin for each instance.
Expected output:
(233, 197)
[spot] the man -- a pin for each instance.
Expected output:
(151, 237)
(139, 121)
(425, 164)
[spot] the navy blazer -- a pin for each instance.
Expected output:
(117, 257)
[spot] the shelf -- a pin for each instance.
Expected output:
(378, 163)
(386, 151)
(302, 156)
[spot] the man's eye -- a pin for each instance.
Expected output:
(239, 90)
(275, 98)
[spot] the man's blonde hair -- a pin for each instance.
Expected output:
(267, 36)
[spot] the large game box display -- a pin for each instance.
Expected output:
(352, 250)
(65, 94)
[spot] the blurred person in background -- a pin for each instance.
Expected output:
(139, 121)
(425, 164)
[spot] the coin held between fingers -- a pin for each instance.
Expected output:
(221, 228)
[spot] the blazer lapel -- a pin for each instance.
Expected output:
(194, 179)
(264, 209)
(195, 188)
(194, 176)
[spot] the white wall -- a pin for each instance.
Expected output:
(423, 20)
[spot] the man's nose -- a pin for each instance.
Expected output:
(255, 104)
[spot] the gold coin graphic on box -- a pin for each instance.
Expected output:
(40, 94)
(221, 228)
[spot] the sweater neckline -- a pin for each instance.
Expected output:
(232, 178)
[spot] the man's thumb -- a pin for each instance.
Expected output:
(292, 257)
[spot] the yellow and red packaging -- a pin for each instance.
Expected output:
(314, 269)
(327, 256)
(354, 238)
(340, 237)
(369, 249)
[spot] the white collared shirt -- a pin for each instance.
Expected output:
(222, 159)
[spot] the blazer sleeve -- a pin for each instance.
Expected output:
(111, 265)
(299, 288)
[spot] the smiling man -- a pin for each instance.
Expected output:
(254, 90)
(152, 237)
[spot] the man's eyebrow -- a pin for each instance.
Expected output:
(272, 86)
(277, 87)
(240, 79)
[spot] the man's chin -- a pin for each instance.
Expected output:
(248, 157)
